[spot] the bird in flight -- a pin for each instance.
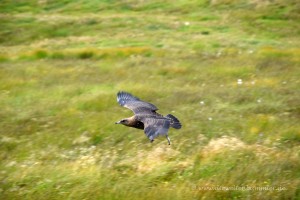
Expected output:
(145, 117)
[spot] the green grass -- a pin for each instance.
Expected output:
(229, 70)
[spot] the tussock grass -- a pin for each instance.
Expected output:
(229, 70)
(88, 53)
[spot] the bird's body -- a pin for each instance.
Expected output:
(146, 117)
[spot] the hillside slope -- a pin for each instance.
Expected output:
(229, 70)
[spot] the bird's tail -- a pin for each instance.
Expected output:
(175, 123)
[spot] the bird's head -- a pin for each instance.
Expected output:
(123, 121)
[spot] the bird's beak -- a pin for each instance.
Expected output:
(118, 122)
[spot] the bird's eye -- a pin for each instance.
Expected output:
(123, 120)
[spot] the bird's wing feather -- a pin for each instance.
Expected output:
(127, 100)
(154, 126)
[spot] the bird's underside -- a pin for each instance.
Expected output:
(146, 117)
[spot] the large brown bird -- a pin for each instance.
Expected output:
(145, 117)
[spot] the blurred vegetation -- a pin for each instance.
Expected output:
(228, 69)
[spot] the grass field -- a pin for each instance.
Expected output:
(228, 69)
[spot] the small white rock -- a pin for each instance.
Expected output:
(239, 81)
(186, 23)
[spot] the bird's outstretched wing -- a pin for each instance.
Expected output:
(127, 100)
(155, 126)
